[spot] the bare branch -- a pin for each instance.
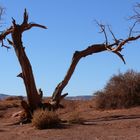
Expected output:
(10, 42)
(108, 47)
(120, 56)
(119, 43)
(5, 33)
(2, 45)
(64, 95)
(131, 29)
(119, 47)
(25, 18)
(26, 26)
(136, 10)
(20, 75)
(102, 27)
(30, 25)
(115, 39)
(14, 22)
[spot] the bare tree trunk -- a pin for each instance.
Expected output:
(96, 48)
(27, 74)
(56, 97)
(16, 30)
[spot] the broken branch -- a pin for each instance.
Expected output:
(30, 25)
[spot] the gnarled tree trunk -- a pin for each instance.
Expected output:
(34, 99)
(56, 97)
(27, 74)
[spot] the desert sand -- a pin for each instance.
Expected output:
(119, 124)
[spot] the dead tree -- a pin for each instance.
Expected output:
(16, 31)
(33, 96)
(115, 47)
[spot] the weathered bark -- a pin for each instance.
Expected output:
(27, 74)
(34, 99)
(27, 109)
(96, 48)
(56, 97)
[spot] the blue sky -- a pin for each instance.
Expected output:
(71, 26)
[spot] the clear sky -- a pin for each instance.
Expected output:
(71, 26)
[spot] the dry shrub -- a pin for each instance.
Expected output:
(43, 119)
(10, 102)
(5, 104)
(122, 91)
(10, 98)
(2, 114)
(75, 118)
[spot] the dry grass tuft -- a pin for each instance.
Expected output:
(122, 91)
(43, 119)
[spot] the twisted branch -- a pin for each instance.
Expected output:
(24, 26)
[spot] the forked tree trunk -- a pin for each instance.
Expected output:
(34, 99)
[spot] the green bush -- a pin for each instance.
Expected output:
(122, 91)
(43, 119)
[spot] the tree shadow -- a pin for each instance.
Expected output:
(110, 118)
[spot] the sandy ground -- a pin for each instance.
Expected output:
(122, 124)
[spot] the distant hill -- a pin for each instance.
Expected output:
(82, 97)
(2, 96)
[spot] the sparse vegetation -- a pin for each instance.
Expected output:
(122, 91)
(75, 118)
(10, 98)
(1, 114)
(43, 119)
(6, 103)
